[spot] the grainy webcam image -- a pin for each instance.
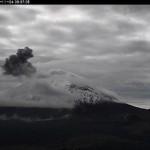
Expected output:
(74, 77)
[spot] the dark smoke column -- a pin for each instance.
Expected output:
(18, 64)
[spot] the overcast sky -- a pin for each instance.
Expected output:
(108, 44)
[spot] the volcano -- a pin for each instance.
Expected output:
(61, 110)
(57, 89)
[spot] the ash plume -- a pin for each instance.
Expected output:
(18, 64)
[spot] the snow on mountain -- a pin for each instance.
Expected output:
(56, 88)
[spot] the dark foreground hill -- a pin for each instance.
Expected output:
(103, 126)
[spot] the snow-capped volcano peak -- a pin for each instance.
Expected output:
(89, 94)
(56, 88)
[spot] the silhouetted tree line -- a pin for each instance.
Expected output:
(18, 64)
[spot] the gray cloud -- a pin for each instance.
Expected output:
(5, 33)
(106, 43)
(138, 10)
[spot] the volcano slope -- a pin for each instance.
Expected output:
(74, 116)
(107, 125)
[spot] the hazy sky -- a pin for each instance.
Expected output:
(108, 44)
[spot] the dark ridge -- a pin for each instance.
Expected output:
(105, 126)
(33, 112)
